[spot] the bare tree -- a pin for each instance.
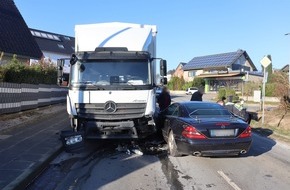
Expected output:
(281, 82)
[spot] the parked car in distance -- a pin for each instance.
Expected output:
(204, 129)
(191, 90)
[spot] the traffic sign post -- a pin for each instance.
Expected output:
(265, 63)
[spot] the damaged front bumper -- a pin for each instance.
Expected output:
(117, 130)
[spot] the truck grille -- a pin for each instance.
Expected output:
(123, 111)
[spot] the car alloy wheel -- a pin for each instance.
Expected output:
(172, 145)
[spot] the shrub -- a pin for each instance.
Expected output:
(270, 89)
(2, 74)
(250, 87)
(187, 85)
(16, 72)
(198, 82)
(176, 83)
(226, 92)
(222, 93)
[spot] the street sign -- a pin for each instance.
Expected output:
(266, 77)
(265, 61)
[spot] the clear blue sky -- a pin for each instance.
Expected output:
(186, 28)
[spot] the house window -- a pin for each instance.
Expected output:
(191, 73)
(50, 36)
(60, 46)
(66, 37)
(37, 34)
(43, 35)
(56, 37)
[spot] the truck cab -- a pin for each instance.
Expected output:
(112, 90)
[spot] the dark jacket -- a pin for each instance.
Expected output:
(164, 100)
(197, 96)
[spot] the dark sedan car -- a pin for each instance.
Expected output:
(204, 128)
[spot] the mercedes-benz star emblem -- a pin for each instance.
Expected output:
(110, 107)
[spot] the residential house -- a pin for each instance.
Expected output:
(285, 69)
(53, 45)
(225, 69)
(179, 70)
(15, 36)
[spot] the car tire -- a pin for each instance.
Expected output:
(172, 147)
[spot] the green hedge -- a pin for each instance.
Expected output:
(226, 92)
(16, 72)
(270, 89)
(177, 83)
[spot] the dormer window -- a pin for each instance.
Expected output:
(60, 46)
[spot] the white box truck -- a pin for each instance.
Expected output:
(113, 80)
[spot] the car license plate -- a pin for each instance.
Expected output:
(222, 132)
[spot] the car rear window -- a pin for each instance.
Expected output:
(209, 112)
(206, 110)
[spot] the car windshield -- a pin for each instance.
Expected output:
(116, 72)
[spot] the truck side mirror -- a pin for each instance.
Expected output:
(163, 67)
(61, 79)
(73, 59)
(163, 81)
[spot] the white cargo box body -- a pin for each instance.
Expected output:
(136, 37)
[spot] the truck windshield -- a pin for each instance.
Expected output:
(113, 72)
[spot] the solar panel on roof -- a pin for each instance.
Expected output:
(218, 60)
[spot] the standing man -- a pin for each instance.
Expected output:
(197, 96)
(164, 99)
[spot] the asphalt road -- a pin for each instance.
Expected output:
(101, 166)
(266, 166)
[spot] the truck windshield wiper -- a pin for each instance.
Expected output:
(91, 83)
(122, 85)
(135, 88)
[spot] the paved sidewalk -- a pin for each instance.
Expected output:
(27, 148)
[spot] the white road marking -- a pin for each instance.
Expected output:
(228, 180)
